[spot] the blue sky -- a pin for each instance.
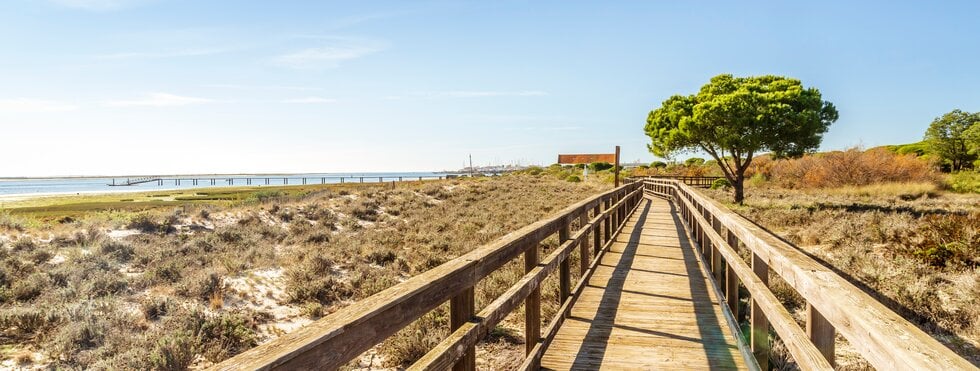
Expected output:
(181, 86)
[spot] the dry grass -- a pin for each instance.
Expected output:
(194, 284)
(852, 167)
(915, 248)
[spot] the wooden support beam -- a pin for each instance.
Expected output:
(760, 324)
(564, 271)
(584, 257)
(608, 231)
(820, 332)
(716, 263)
(731, 279)
(532, 305)
(616, 168)
(461, 309)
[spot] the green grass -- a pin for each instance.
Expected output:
(48, 209)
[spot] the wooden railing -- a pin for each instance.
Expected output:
(885, 339)
(696, 181)
(335, 340)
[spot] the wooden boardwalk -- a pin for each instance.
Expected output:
(647, 306)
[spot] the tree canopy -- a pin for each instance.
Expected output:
(954, 139)
(734, 118)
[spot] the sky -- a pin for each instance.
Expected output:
(108, 87)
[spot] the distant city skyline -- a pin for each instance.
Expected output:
(105, 87)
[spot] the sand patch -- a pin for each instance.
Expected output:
(118, 234)
(263, 291)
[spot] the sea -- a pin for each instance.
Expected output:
(90, 185)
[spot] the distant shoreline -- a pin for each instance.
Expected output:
(348, 173)
(20, 197)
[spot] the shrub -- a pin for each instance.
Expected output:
(600, 166)
(172, 352)
(167, 271)
(365, 211)
(156, 307)
(225, 334)
(850, 167)
(28, 320)
(312, 309)
(103, 283)
(117, 250)
(30, 287)
(757, 180)
(945, 240)
(202, 286)
(721, 183)
(381, 256)
(694, 161)
(917, 149)
(9, 222)
(75, 336)
(573, 179)
(964, 182)
(23, 244)
(413, 341)
(658, 164)
(146, 223)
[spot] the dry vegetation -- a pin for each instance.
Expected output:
(193, 285)
(885, 223)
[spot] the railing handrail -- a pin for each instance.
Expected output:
(697, 180)
(885, 339)
(333, 341)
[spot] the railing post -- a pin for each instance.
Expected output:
(760, 324)
(532, 305)
(821, 332)
(614, 213)
(622, 208)
(716, 262)
(583, 247)
(596, 231)
(564, 272)
(705, 242)
(731, 280)
(461, 310)
(715, 254)
(606, 221)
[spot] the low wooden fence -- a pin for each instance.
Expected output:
(335, 340)
(885, 339)
(696, 181)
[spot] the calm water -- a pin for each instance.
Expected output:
(100, 184)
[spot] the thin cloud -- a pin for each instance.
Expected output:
(261, 87)
(23, 105)
(337, 51)
(158, 100)
(97, 5)
(482, 93)
(311, 100)
(164, 54)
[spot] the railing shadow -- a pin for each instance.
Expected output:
(597, 338)
(945, 335)
(719, 354)
(708, 324)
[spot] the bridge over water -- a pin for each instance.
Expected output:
(661, 268)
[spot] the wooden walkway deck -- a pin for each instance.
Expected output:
(647, 306)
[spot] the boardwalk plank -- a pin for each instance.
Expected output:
(648, 305)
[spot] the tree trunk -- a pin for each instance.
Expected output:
(739, 185)
(739, 192)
